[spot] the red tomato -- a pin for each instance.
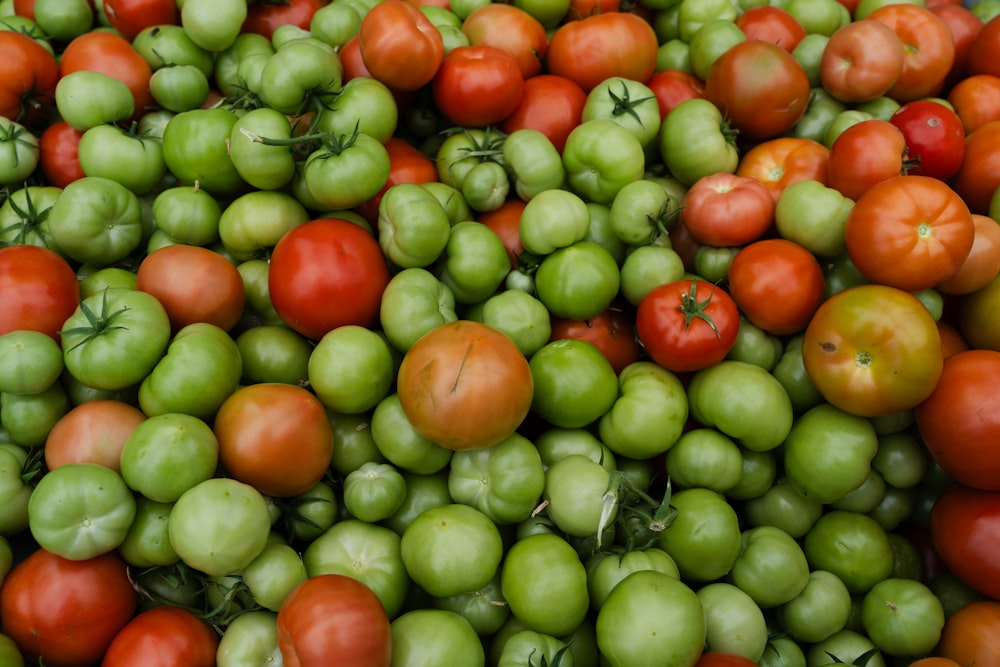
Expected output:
(861, 61)
(970, 634)
(275, 437)
(333, 615)
(66, 612)
(165, 635)
(985, 52)
(611, 331)
(406, 165)
(978, 176)
(130, 17)
(506, 223)
(601, 46)
(935, 138)
(783, 161)
(772, 24)
(965, 527)
(976, 100)
(25, 8)
(512, 29)
(910, 232)
(724, 209)
(777, 284)
(551, 104)
(958, 423)
(28, 77)
(352, 60)
(111, 54)
(928, 48)
(264, 16)
(399, 44)
(38, 290)
(459, 369)
(579, 9)
(864, 154)
(476, 86)
(687, 325)
(194, 284)
(720, 659)
(759, 87)
(94, 431)
(327, 273)
(982, 263)
(673, 86)
(58, 158)
(965, 27)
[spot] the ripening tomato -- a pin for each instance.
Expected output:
(611, 331)
(38, 290)
(399, 44)
(600, 46)
(964, 527)
(724, 209)
(551, 104)
(111, 54)
(673, 86)
(276, 437)
(978, 176)
(58, 158)
(777, 284)
(505, 222)
(976, 100)
(910, 232)
(759, 87)
(130, 17)
(94, 431)
(28, 77)
(406, 165)
(264, 17)
(956, 422)
(460, 369)
(476, 86)
(982, 263)
(512, 29)
(935, 138)
(771, 24)
(783, 161)
(864, 154)
(928, 48)
(861, 61)
(969, 636)
(964, 26)
(163, 635)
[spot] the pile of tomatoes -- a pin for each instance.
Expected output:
(546, 332)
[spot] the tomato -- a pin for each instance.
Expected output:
(94, 431)
(724, 209)
(456, 367)
(477, 86)
(976, 100)
(772, 24)
(983, 54)
(264, 17)
(861, 61)
(331, 262)
(982, 263)
(66, 612)
(777, 284)
(333, 614)
(399, 45)
(979, 174)
(274, 436)
(194, 284)
(165, 633)
(963, 522)
(673, 86)
(864, 154)
(601, 46)
(687, 325)
(784, 161)
(611, 331)
(935, 138)
(977, 316)
(964, 26)
(759, 87)
(130, 17)
(30, 74)
(873, 350)
(113, 55)
(512, 29)
(406, 165)
(928, 46)
(551, 104)
(910, 232)
(969, 635)
(40, 290)
(961, 448)
(59, 145)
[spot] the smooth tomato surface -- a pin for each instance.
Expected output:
(163, 635)
(969, 635)
(603, 45)
(38, 290)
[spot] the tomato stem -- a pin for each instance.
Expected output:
(692, 308)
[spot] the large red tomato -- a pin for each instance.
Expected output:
(969, 636)
(864, 154)
(976, 100)
(165, 635)
(784, 161)
(327, 273)
(476, 86)
(333, 615)
(66, 612)
(28, 77)
(759, 87)
(959, 423)
(724, 209)
(94, 431)
(965, 527)
(982, 263)
(465, 385)
(772, 24)
(38, 290)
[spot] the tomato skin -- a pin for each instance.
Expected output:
(66, 612)
(983, 53)
(721, 659)
(28, 74)
(976, 100)
(783, 161)
(600, 46)
(331, 262)
(724, 209)
(506, 223)
(399, 45)
(165, 635)
(862, 60)
(965, 527)
(39, 290)
(477, 86)
(611, 331)
(512, 29)
(979, 174)
(94, 431)
(59, 144)
(549, 103)
(673, 86)
(406, 165)
(111, 54)
(681, 346)
(969, 634)
(771, 24)
(864, 154)
(955, 422)
(929, 49)
(264, 17)
(935, 138)
(130, 17)
(982, 263)
(964, 26)
(333, 615)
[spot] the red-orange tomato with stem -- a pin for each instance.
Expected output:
(982, 263)
(512, 29)
(476, 86)
(460, 369)
(864, 154)
(910, 232)
(724, 209)
(861, 61)
(934, 135)
(978, 176)
(399, 44)
(928, 49)
(611, 331)
(772, 24)
(551, 104)
(969, 636)
(783, 161)
(94, 431)
(165, 634)
(777, 284)
(275, 437)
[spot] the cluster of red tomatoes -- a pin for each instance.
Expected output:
(454, 332)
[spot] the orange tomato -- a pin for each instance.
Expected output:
(782, 161)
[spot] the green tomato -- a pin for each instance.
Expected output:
(600, 158)
(30, 362)
(704, 538)
(344, 174)
(771, 568)
(351, 369)
(400, 443)
(649, 414)
(251, 225)
(299, 72)
(19, 152)
(526, 647)
(707, 458)
(813, 215)
(710, 40)
(820, 113)
(629, 103)
(554, 444)
(695, 142)
(505, 482)
(335, 23)
(533, 162)
(165, 46)
(784, 507)
(819, 611)
(196, 150)
(273, 574)
(147, 543)
(422, 493)
(783, 652)
(435, 637)
(734, 622)
(24, 216)
(519, 315)
(96, 221)
(179, 87)
(474, 263)
(80, 510)
(693, 14)
(864, 498)
(578, 281)
(607, 569)
(374, 491)
(167, 454)
(486, 186)
(844, 647)
(213, 24)
(551, 220)
(646, 267)
(903, 617)
(414, 302)
(187, 214)
(413, 226)
(229, 73)
(640, 212)
(791, 373)
(87, 98)
(363, 103)
(482, 608)
(261, 164)
(574, 494)
(574, 383)
(28, 418)
(273, 353)
(251, 638)
(10, 654)
(852, 546)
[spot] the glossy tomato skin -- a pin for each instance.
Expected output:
(406, 165)
(784, 161)
(551, 104)
(673, 86)
(935, 138)
(864, 154)
(965, 527)
(956, 422)
(327, 273)
(600, 46)
(38, 290)
(862, 60)
(969, 635)
(130, 17)
(772, 24)
(477, 86)
(399, 45)
(29, 75)
(66, 612)
(59, 154)
(724, 209)
(611, 331)
(512, 29)
(928, 45)
(164, 635)
(982, 263)
(111, 54)
(979, 174)
(722, 659)
(333, 615)
(264, 17)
